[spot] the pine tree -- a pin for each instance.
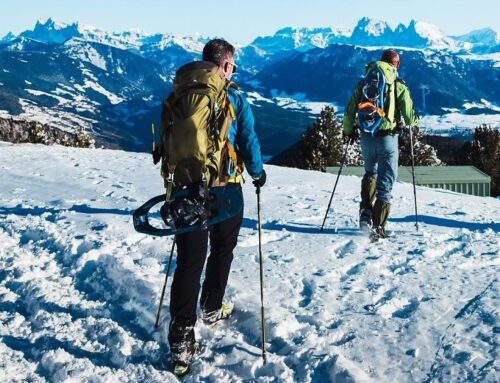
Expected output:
(353, 157)
(484, 153)
(82, 139)
(322, 143)
(321, 146)
(423, 154)
(36, 133)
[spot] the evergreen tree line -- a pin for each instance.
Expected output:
(21, 131)
(322, 145)
(484, 153)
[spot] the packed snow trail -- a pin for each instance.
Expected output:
(79, 287)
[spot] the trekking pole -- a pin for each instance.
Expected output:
(413, 175)
(335, 187)
(264, 358)
(153, 134)
(158, 312)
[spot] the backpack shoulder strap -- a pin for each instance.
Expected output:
(389, 98)
(401, 81)
(166, 113)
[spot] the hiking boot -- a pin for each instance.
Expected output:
(377, 233)
(379, 218)
(212, 317)
(183, 345)
(365, 218)
(183, 356)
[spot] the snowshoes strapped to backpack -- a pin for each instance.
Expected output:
(377, 98)
(195, 152)
(187, 212)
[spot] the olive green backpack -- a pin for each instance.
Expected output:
(195, 122)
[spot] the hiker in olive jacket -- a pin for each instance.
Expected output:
(192, 247)
(380, 150)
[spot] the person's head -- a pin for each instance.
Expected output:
(391, 56)
(221, 53)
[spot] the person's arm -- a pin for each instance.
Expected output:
(405, 104)
(350, 112)
(247, 143)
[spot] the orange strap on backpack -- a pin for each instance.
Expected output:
(232, 152)
(365, 105)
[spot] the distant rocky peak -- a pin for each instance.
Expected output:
(373, 27)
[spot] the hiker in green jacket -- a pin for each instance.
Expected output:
(376, 108)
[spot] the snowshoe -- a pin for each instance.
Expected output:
(187, 211)
(213, 317)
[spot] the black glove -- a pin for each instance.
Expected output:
(156, 155)
(259, 182)
(351, 138)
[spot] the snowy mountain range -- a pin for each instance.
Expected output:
(447, 79)
(370, 32)
(367, 32)
(72, 75)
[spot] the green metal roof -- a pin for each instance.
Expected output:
(427, 174)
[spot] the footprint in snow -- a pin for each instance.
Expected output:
(267, 237)
(390, 306)
(301, 205)
(345, 338)
(402, 268)
(344, 249)
(129, 199)
(356, 269)
(306, 293)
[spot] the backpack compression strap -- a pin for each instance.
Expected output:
(229, 146)
(371, 105)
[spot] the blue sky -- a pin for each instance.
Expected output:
(241, 21)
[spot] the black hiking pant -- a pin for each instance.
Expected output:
(191, 256)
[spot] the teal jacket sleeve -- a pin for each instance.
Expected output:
(243, 136)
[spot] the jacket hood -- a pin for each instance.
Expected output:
(390, 73)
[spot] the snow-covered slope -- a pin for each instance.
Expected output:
(79, 288)
(485, 36)
(422, 35)
(370, 32)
